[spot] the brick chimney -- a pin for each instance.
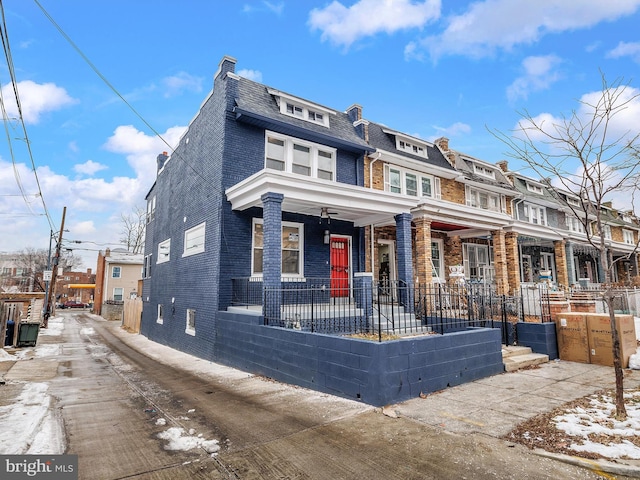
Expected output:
(354, 112)
(226, 65)
(504, 165)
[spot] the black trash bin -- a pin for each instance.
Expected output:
(28, 334)
(8, 339)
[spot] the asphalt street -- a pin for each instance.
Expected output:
(133, 409)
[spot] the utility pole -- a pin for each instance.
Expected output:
(54, 273)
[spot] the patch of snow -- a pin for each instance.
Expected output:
(87, 331)
(178, 441)
(55, 326)
(47, 350)
(598, 418)
(634, 360)
(161, 421)
(6, 356)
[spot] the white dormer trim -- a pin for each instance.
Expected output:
(408, 144)
(304, 110)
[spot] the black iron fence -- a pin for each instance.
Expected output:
(390, 309)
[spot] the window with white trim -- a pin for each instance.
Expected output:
(411, 147)
(405, 182)
(532, 187)
(191, 322)
(485, 200)
(146, 266)
(575, 225)
(628, 237)
(151, 208)
(292, 155)
(606, 231)
(535, 214)
(304, 112)
(292, 251)
(118, 294)
(574, 202)
(476, 260)
(164, 251)
(194, 240)
(116, 272)
(484, 171)
(160, 317)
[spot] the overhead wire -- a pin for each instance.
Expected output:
(14, 83)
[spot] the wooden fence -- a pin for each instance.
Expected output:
(132, 315)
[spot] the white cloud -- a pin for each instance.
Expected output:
(345, 25)
(539, 74)
(255, 75)
(626, 49)
(141, 149)
(89, 167)
(451, 131)
(490, 25)
(36, 99)
(175, 85)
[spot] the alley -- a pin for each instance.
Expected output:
(154, 413)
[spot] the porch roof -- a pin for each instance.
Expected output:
(459, 219)
(308, 196)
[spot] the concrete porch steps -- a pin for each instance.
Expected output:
(516, 358)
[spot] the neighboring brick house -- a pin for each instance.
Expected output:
(77, 286)
(117, 276)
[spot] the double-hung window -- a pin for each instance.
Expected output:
(291, 248)
(535, 214)
(190, 328)
(398, 180)
(164, 251)
(575, 225)
(194, 240)
(116, 272)
(627, 237)
(288, 154)
(118, 294)
(482, 199)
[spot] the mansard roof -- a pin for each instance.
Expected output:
(257, 104)
(383, 138)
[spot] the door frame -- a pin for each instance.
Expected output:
(349, 259)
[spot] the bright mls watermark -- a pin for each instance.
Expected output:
(50, 467)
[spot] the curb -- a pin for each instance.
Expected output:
(598, 466)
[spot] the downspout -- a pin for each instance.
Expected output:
(371, 227)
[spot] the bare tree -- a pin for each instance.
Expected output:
(592, 155)
(34, 261)
(133, 228)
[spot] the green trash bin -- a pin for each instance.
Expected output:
(28, 334)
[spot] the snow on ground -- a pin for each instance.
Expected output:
(177, 440)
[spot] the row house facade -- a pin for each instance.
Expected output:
(268, 187)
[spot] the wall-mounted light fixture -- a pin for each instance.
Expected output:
(327, 237)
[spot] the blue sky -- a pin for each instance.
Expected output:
(428, 68)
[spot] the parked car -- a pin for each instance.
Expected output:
(73, 304)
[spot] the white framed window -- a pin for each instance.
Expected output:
(411, 147)
(573, 201)
(628, 237)
(437, 259)
(303, 110)
(575, 225)
(160, 317)
(606, 230)
(191, 322)
(535, 214)
(485, 200)
(532, 187)
(116, 272)
(164, 251)
(146, 266)
(151, 208)
(484, 171)
(194, 240)
(118, 294)
(292, 248)
(293, 155)
(406, 182)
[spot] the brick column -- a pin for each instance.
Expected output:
(500, 262)
(452, 253)
(405, 260)
(560, 250)
(272, 252)
(513, 260)
(424, 268)
(569, 258)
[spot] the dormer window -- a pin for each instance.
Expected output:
(411, 147)
(484, 171)
(299, 108)
(532, 187)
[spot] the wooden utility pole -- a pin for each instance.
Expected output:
(54, 273)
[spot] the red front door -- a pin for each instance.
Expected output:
(339, 267)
